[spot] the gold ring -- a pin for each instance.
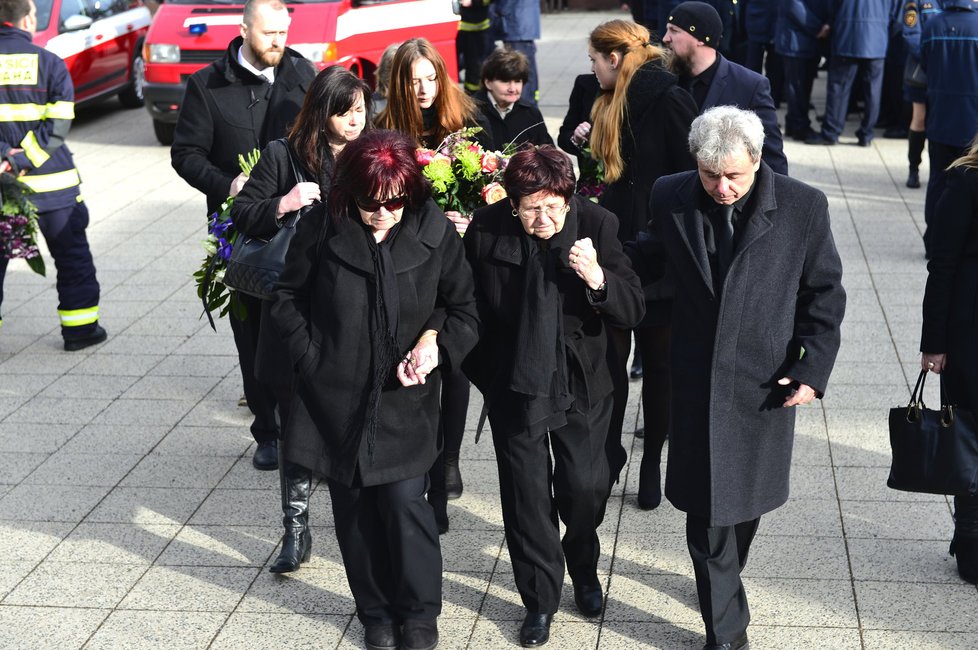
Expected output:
(930, 365)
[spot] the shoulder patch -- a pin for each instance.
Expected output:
(18, 69)
(910, 15)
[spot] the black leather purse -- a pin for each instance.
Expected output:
(256, 264)
(913, 74)
(934, 452)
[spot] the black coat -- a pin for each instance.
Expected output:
(778, 316)
(493, 245)
(228, 111)
(321, 310)
(253, 213)
(524, 123)
(950, 312)
(735, 85)
(582, 97)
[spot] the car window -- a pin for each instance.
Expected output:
(105, 8)
(71, 8)
(44, 8)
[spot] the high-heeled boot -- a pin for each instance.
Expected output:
(296, 484)
(437, 496)
(964, 545)
(453, 477)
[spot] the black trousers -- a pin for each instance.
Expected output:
(473, 48)
(534, 494)
(940, 156)
(389, 542)
(619, 346)
(455, 391)
(799, 77)
(719, 554)
(773, 68)
(260, 396)
(656, 390)
(78, 289)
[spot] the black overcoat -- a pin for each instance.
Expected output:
(493, 245)
(322, 312)
(950, 319)
(778, 315)
(228, 111)
(523, 124)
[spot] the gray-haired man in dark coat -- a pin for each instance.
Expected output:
(759, 302)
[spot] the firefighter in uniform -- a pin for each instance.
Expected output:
(36, 109)
(472, 41)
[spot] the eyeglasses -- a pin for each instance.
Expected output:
(551, 211)
(392, 204)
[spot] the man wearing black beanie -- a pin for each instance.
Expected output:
(693, 33)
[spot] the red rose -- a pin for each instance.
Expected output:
(490, 163)
(424, 156)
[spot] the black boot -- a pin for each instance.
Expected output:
(649, 483)
(964, 546)
(453, 477)
(915, 151)
(296, 484)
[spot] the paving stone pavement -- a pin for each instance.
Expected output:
(130, 516)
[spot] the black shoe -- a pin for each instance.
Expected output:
(802, 136)
(913, 179)
(636, 371)
(896, 133)
(639, 433)
(589, 600)
(419, 634)
(864, 141)
(535, 630)
(96, 337)
(453, 479)
(820, 138)
(266, 456)
(965, 551)
(739, 644)
(649, 485)
(380, 637)
(296, 549)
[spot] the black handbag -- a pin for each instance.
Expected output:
(913, 74)
(935, 452)
(255, 263)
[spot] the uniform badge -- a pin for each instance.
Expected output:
(910, 15)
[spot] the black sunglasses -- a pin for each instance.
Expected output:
(373, 205)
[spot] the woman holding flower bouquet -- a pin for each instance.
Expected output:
(333, 114)
(424, 103)
(641, 120)
(375, 301)
(550, 278)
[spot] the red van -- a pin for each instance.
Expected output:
(188, 34)
(101, 41)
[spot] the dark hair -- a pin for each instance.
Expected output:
(11, 11)
(505, 64)
(334, 91)
(539, 169)
(453, 108)
(375, 163)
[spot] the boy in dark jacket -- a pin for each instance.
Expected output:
(513, 119)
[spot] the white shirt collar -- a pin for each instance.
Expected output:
(502, 112)
(268, 73)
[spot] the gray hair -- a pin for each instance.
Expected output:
(720, 132)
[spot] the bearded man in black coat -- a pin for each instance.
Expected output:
(241, 102)
(756, 317)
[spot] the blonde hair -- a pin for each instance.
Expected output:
(970, 158)
(631, 41)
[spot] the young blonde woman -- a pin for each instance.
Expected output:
(424, 103)
(639, 127)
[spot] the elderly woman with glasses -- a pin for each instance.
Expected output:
(376, 301)
(550, 277)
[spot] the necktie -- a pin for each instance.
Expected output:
(725, 239)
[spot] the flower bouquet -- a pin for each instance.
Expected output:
(463, 176)
(211, 290)
(18, 224)
(591, 183)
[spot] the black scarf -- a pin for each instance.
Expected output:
(384, 313)
(429, 119)
(540, 361)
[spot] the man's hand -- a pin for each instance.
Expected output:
(824, 32)
(804, 394)
(236, 185)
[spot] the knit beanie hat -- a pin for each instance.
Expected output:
(699, 19)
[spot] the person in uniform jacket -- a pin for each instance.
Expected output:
(859, 32)
(550, 277)
(693, 30)
(947, 341)
(641, 120)
(915, 15)
(949, 56)
(37, 105)
(241, 102)
(514, 122)
(472, 40)
(801, 28)
(293, 173)
(756, 329)
(517, 24)
(375, 302)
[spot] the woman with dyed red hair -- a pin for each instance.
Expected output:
(375, 302)
(550, 278)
